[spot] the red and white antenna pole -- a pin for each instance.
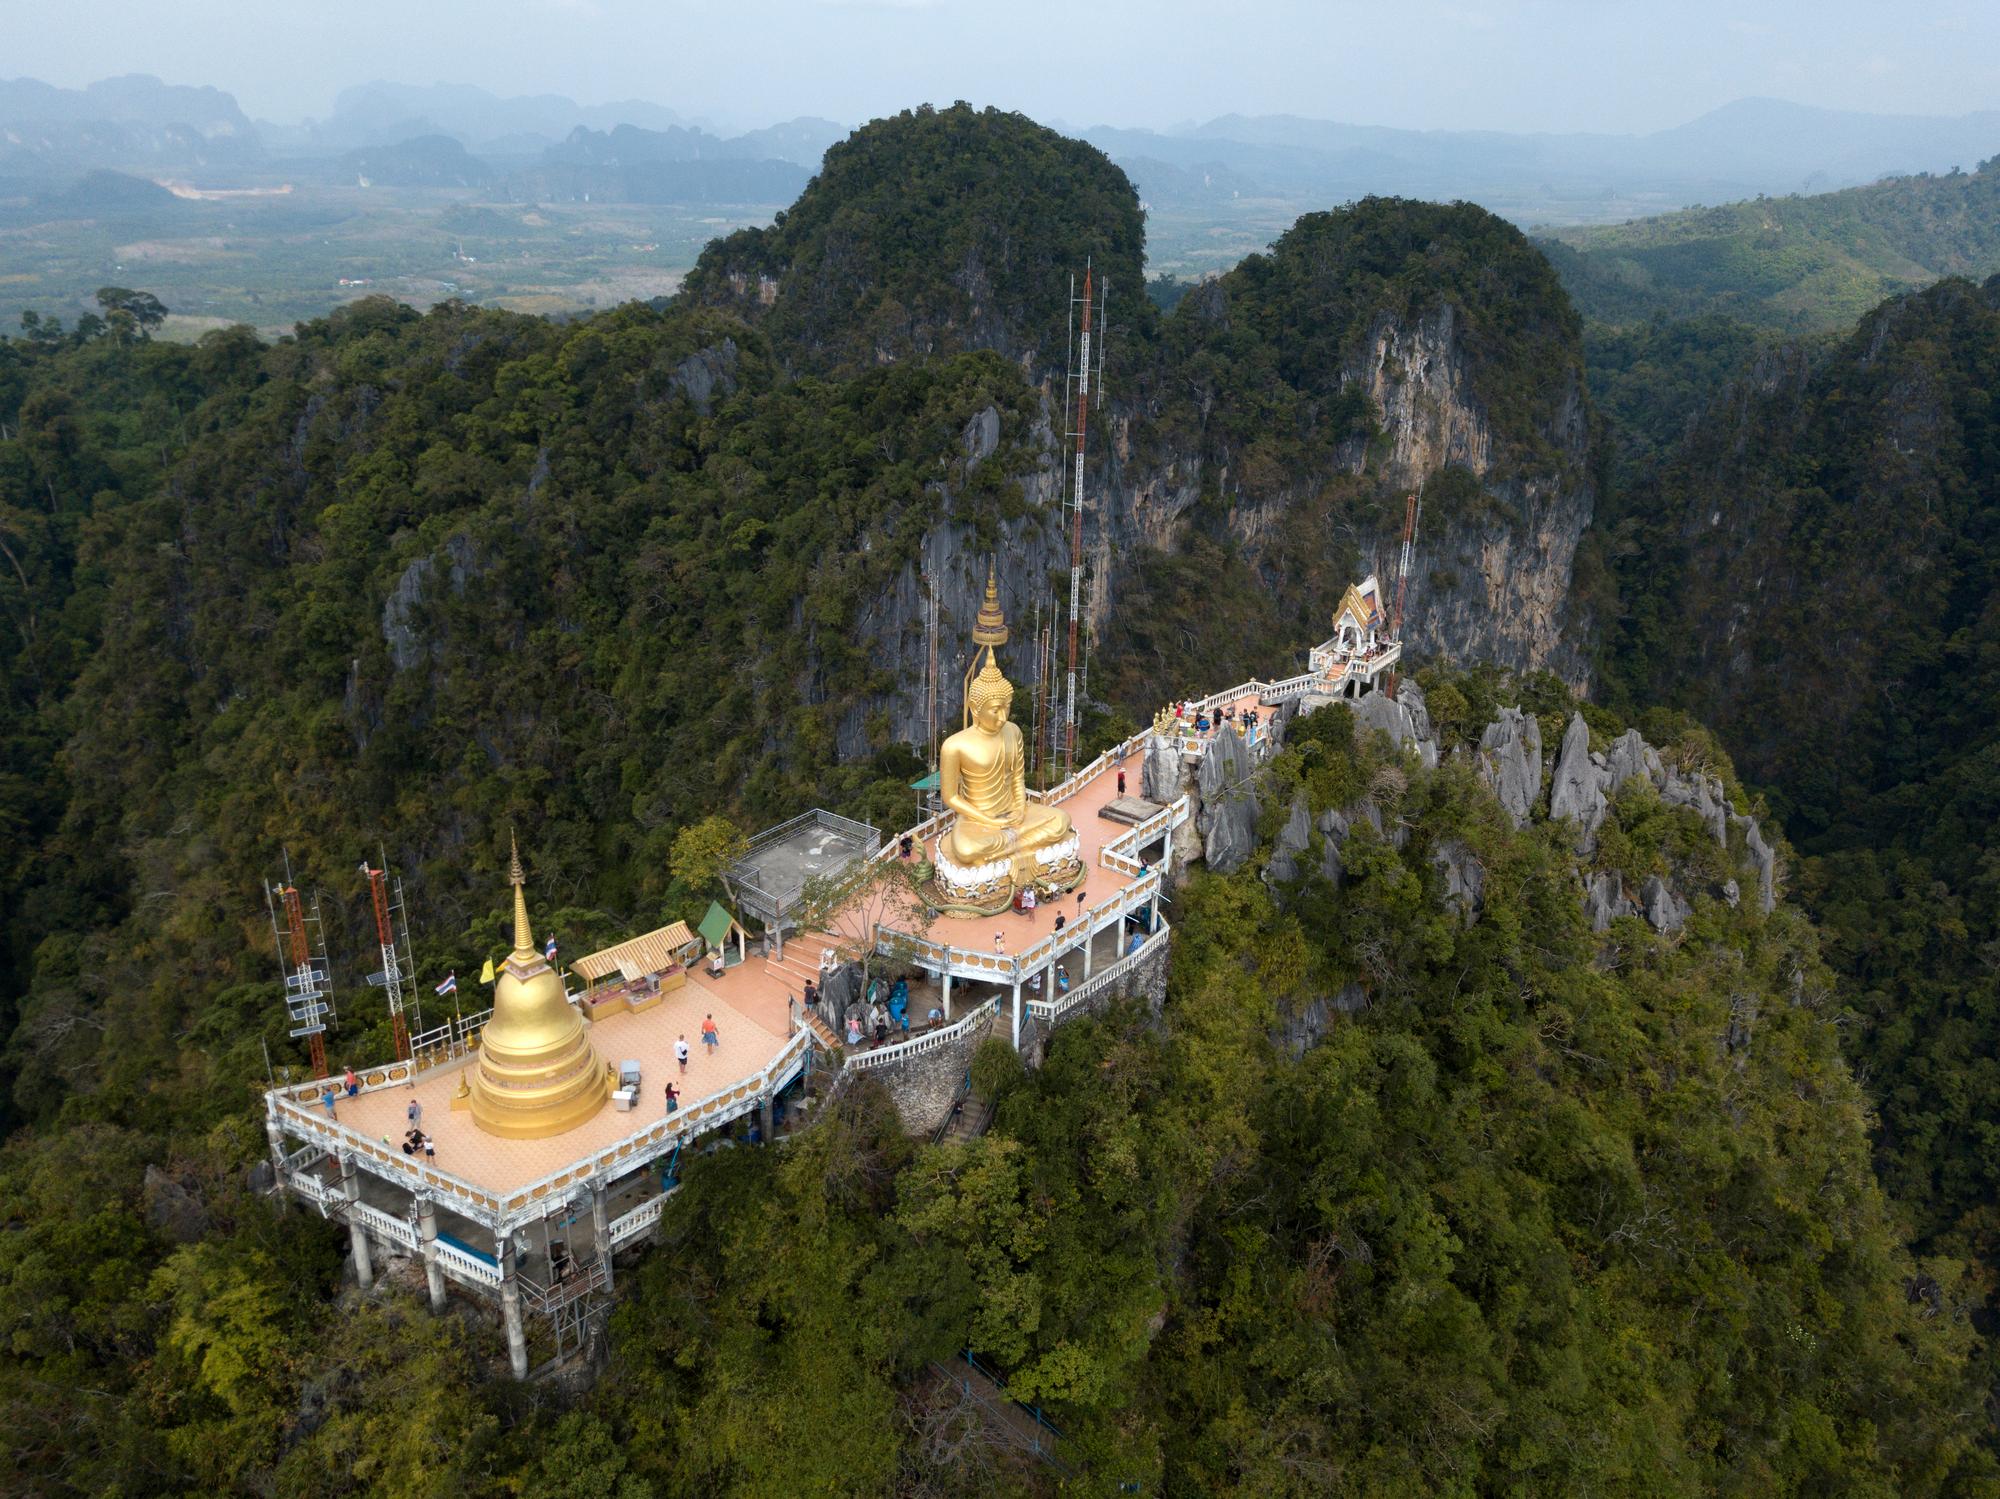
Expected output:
(1076, 526)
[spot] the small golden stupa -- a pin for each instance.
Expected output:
(537, 1074)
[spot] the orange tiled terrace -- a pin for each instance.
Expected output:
(751, 1035)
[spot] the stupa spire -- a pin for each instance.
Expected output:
(524, 939)
(990, 627)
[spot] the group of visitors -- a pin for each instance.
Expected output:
(415, 1141)
(1243, 720)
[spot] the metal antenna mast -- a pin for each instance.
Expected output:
(1079, 377)
(392, 927)
(1411, 511)
(301, 941)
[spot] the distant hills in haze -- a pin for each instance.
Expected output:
(1215, 191)
(443, 136)
(1738, 151)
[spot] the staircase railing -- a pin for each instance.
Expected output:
(1036, 1433)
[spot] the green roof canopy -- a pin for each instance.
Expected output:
(928, 783)
(715, 925)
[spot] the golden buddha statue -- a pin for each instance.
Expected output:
(537, 1073)
(982, 779)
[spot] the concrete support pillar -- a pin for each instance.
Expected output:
(600, 1224)
(764, 1118)
(427, 1241)
(1089, 945)
(276, 1135)
(1017, 1012)
(357, 1236)
(1153, 913)
(510, 1305)
(947, 995)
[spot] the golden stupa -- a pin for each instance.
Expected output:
(537, 1074)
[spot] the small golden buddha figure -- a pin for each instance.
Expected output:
(982, 778)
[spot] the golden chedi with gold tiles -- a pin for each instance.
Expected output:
(537, 1073)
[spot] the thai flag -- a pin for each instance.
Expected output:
(450, 984)
(549, 952)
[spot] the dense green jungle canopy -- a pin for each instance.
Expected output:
(1555, 1212)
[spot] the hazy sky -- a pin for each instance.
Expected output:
(1499, 64)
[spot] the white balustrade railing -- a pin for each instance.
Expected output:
(717, 1109)
(501, 1209)
(944, 1035)
(467, 1267)
(308, 1185)
(385, 1226)
(629, 1226)
(1053, 1010)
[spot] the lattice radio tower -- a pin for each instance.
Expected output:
(301, 939)
(392, 928)
(1077, 391)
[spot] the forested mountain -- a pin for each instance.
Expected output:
(1416, 1183)
(1800, 264)
(1817, 574)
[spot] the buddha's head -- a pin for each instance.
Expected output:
(991, 697)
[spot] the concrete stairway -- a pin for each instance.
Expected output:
(800, 966)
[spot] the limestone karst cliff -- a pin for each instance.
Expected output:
(1653, 830)
(1251, 452)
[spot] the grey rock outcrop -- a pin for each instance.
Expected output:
(1292, 840)
(840, 992)
(1604, 900)
(981, 437)
(407, 645)
(1703, 794)
(1378, 711)
(173, 1210)
(1333, 833)
(1160, 773)
(1299, 1032)
(1767, 866)
(1664, 910)
(1510, 760)
(701, 375)
(1464, 876)
(1334, 827)
(1411, 696)
(1576, 790)
(1629, 758)
(1228, 803)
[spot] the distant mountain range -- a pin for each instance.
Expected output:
(1738, 151)
(550, 147)
(445, 136)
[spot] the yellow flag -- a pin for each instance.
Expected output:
(486, 973)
